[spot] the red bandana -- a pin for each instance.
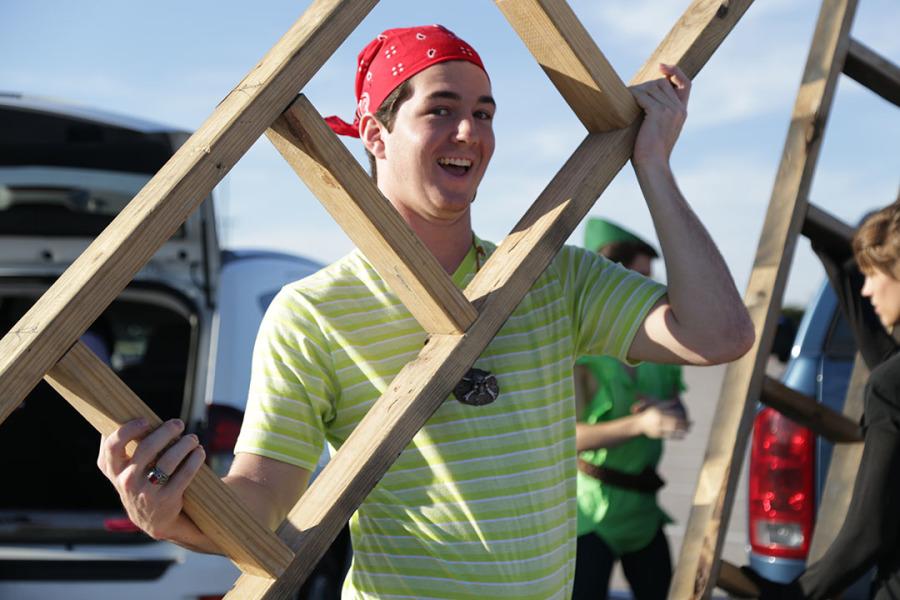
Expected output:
(395, 56)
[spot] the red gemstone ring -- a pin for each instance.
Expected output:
(157, 476)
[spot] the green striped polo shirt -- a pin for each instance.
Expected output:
(482, 501)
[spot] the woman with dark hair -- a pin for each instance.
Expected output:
(869, 293)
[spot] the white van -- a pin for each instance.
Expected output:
(180, 336)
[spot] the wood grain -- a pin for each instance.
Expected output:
(698, 563)
(370, 221)
(95, 391)
(94, 280)
(573, 62)
(806, 411)
(874, 71)
(422, 385)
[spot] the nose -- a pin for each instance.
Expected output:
(867, 287)
(466, 130)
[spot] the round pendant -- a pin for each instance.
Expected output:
(477, 388)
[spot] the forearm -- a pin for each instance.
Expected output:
(607, 434)
(250, 493)
(188, 535)
(702, 295)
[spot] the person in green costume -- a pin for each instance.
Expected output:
(624, 414)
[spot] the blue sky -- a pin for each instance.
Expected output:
(172, 62)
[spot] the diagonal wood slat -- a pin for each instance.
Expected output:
(573, 62)
(95, 391)
(424, 384)
(824, 228)
(697, 567)
(351, 197)
(689, 44)
(93, 281)
(733, 581)
(806, 410)
(874, 71)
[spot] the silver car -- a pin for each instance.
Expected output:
(180, 336)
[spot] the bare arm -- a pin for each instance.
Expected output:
(268, 487)
(658, 420)
(702, 320)
(664, 420)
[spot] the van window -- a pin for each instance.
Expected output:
(62, 201)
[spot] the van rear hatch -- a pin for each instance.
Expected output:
(65, 173)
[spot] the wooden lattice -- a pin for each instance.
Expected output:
(789, 214)
(44, 343)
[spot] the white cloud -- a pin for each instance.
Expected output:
(638, 20)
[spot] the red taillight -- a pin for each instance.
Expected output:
(782, 496)
(223, 427)
(120, 524)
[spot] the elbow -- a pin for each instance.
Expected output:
(725, 343)
(745, 336)
(738, 338)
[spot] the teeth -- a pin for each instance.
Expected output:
(456, 162)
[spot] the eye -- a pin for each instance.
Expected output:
(440, 111)
(484, 115)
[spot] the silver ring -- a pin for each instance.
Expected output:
(157, 476)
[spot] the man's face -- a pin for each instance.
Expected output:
(884, 293)
(642, 263)
(431, 162)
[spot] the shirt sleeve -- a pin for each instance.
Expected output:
(292, 386)
(609, 302)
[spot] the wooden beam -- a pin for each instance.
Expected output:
(95, 391)
(369, 219)
(805, 411)
(697, 567)
(419, 389)
(93, 281)
(841, 472)
(825, 229)
(706, 22)
(733, 581)
(874, 71)
(573, 62)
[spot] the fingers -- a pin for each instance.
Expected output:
(661, 91)
(155, 443)
(170, 460)
(186, 471)
(113, 455)
(680, 82)
(672, 91)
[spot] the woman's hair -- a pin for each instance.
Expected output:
(387, 113)
(876, 244)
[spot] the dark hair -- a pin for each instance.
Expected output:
(625, 252)
(876, 244)
(387, 114)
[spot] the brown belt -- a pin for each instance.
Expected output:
(647, 481)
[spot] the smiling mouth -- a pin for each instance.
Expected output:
(456, 166)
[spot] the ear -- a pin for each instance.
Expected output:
(371, 133)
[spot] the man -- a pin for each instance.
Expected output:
(623, 413)
(482, 501)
